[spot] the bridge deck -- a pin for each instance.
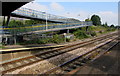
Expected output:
(39, 15)
(8, 7)
(42, 28)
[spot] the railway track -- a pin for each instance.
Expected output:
(79, 61)
(15, 64)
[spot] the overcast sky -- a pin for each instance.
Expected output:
(108, 11)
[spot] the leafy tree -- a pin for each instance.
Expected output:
(117, 27)
(87, 19)
(112, 26)
(15, 23)
(96, 20)
(33, 22)
(80, 34)
(93, 34)
(105, 25)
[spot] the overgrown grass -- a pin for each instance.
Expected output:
(79, 33)
(91, 31)
(100, 29)
(56, 39)
(1, 47)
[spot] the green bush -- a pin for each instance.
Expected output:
(80, 34)
(100, 32)
(93, 34)
(41, 41)
(67, 40)
(57, 39)
(111, 29)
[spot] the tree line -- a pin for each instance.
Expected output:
(19, 23)
(97, 21)
(94, 18)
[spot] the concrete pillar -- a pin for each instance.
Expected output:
(64, 37)
(15, 40)
(3, 21)
(68, 31)
(86, 28)
(8, 19)
(6, 40)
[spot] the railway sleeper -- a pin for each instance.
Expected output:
(47, 55)
(32, 59)
(68, 65)
(82, 61)
(25, 61)
(79, 63)
(56, 52)
(69, 68)
(51, 53)
(2, 69)
(43, 56)
(73, 67)
(76, 65)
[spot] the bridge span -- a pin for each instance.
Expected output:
(58, 22)
(40, 28)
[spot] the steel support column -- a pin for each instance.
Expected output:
(86, 28)
(3, 21)
(8, 19)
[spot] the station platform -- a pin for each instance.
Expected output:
(28, 47)
(37, 46)
(34, 46)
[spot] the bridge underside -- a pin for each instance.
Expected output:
(8, 7)
(34, 18)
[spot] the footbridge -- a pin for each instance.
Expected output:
(40, 28)
(38, 15)
(11, 34)
(58, 23)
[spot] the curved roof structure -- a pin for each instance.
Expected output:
(9, 6)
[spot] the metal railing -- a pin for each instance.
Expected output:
(40, 27)
(38, 14)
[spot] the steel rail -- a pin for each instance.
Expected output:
(62, 65)
(48, 52)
